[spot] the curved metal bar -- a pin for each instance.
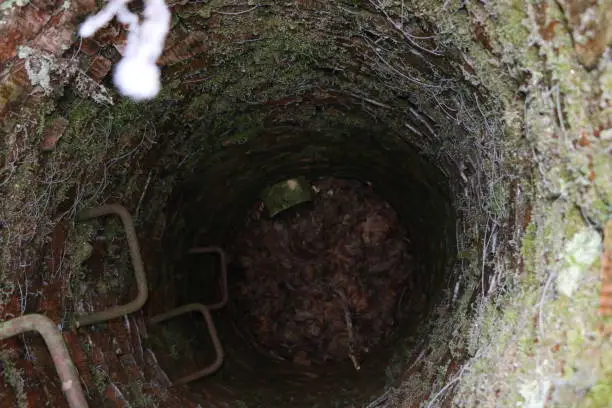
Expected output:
(223, 260)
(196, 307)
(137, 264)
(68, 373)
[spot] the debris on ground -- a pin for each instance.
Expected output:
(323, 281)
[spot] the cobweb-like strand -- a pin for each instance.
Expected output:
(136, 76)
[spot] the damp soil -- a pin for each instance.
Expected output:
(325, 281)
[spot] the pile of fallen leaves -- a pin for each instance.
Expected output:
(324, 281)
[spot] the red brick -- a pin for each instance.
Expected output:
(153, 371)
(22, 25)
(99, 67)
(137, 342)
(115, 396)
(51, 135)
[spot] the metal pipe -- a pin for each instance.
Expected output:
(137, 264)
(223, 260)
(196, 307)
(68, 373)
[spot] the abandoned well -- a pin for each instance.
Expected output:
(450, 245)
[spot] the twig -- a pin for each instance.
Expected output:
(413, 129)
(251, 40)
(422, 120)
(349, 329)
(75, 204)
(416, 360)
(144, 191)
(484, 258)
(23, 301)
(381, 400)
(237, 13)
(447, 386)
(556, 95)
(114, 160)
(196, 80)
(78, 49)
(368, 100)
(541, 303)
(398, 72)
(23, 297)
(400, 28)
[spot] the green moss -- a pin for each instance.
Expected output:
(80, 116)
(138, 397)
(599, 395)
(602, 168)
(528, 247)
(497, 203)
(511, 26)
(127, 114)
(100, 379)
(79, 249)
(9, 4)
(573, 222)
(579, 253)
(14, 377)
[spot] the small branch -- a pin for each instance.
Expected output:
(237, 13)
(447, 386)
(144, 191)
(251, 40)
(371, 101)
(196, 80)
(409, 37)
(541, 304)
(397, 71)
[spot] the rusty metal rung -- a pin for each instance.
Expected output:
(196, 307)
(137, 264)
(205, 310)
(71, 386)
(223, 261)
